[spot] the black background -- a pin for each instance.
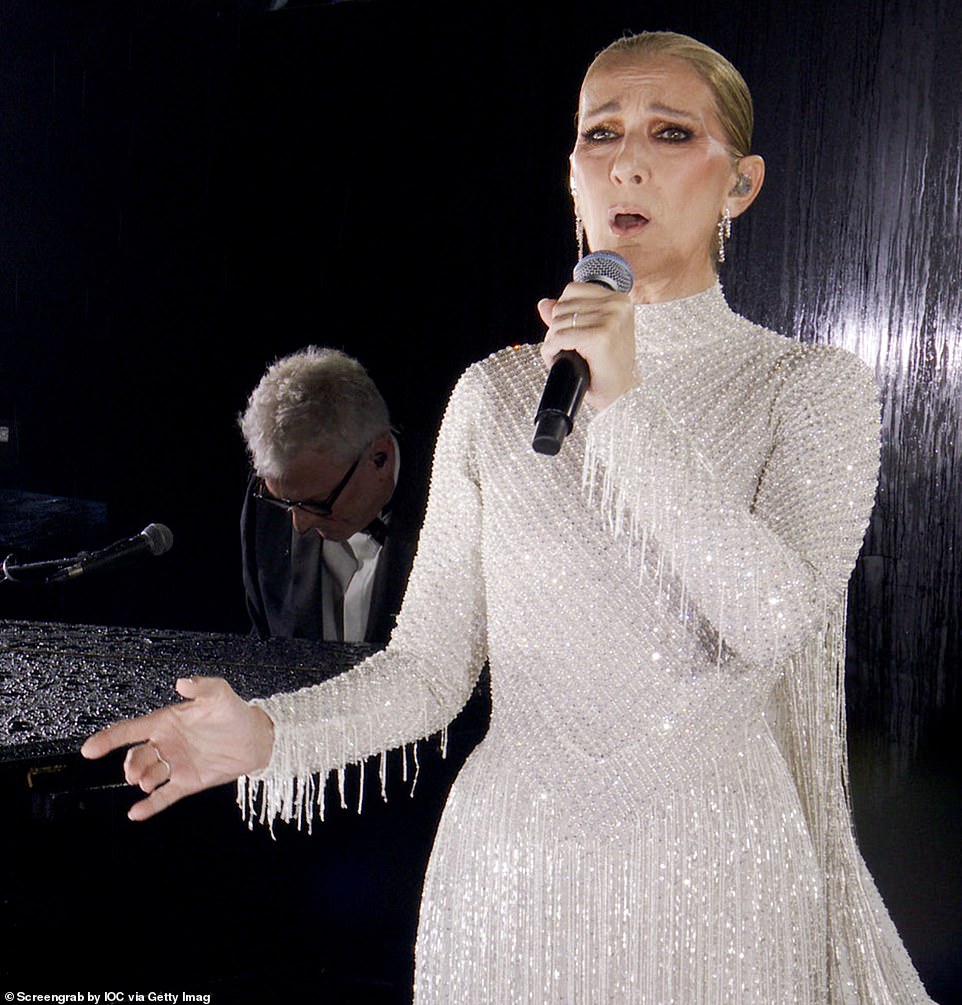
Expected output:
(189, 189)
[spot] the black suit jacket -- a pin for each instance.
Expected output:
(282, 569)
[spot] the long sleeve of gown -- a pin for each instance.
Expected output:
(770, 578)
(419, 683)
(762, 566)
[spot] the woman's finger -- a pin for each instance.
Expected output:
(546, 309)
(201, 687)
(120, 734)
(159, 799)
(146, 767)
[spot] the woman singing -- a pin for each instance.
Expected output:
(657, 813)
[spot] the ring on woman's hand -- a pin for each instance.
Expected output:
(574, 320)
(163, 760)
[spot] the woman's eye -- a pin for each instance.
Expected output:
(673, 134)
(598, 134)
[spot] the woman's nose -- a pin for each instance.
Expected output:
(630, 165)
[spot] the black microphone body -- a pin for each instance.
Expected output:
(154, 539)
(569, 376)
(564, 390)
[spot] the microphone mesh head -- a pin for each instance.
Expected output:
(159, 538)
(607, 268)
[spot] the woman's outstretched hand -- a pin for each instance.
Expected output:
(211, 738)
(599, 324)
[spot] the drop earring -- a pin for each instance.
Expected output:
(579, 236)
(724, 232)
(579, 226)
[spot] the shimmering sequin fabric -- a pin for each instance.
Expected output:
(657, 814)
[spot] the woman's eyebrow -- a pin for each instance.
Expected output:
(656, 106)
(608, 106)
(680, 113)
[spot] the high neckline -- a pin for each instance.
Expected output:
(682, 325)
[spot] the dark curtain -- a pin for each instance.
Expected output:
(189, 189)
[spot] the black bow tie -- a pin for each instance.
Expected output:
(378, 529)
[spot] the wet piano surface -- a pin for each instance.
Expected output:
(59, 683)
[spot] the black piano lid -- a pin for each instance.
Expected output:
(60, 683)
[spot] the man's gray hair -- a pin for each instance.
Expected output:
(318, 399)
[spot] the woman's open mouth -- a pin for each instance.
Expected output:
(622, 222)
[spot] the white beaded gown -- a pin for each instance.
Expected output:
(657, 813)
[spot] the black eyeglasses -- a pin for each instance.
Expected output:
(316, 507)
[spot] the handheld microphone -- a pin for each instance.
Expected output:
(569, 376)
(154, 539)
